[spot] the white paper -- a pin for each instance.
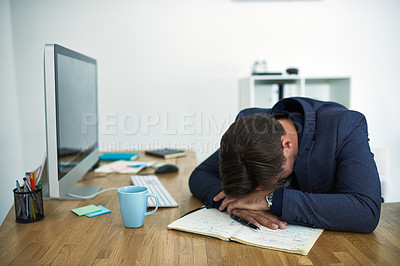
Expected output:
(213, 222)
(210, 221)
(293, 237)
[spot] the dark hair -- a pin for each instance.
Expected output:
(251, 155)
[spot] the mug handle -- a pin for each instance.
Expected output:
(153, 211)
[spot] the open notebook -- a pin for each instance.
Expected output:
(212, 222)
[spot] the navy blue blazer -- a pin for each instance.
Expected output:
(335, 182)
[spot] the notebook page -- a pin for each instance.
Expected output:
(292, 238)
(210, 222)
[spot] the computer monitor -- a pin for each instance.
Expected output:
(71, 121)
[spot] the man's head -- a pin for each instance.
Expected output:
(255, 153)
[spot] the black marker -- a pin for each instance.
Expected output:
(244, 222)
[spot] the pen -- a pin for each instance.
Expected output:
(244, 222)
(34, 198)
(40, 171)
(30, 189)
(28, 178)
(39, 185)
(32, 179)
(26, 197)
(39, 175)
(21, 201)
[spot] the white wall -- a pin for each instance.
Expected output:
(176, 63)
(10, 138)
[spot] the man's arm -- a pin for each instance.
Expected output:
(205, 182)
(355, 202)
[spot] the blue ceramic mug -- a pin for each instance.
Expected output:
(133, 205)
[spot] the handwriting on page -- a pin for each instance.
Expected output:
(210, 221)
(294, 237)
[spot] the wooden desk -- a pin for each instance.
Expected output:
(64, 238)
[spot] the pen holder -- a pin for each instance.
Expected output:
(28, 206)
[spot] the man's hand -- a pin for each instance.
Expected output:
(254, 201)
(265, 218)
(252, 208)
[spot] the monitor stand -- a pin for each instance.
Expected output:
(83, 191)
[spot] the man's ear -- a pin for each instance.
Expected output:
(286, 143)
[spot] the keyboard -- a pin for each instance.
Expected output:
(154, 186)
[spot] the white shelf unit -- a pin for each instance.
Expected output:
(265, 91)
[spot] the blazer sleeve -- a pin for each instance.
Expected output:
(205, 181)
(355, 202)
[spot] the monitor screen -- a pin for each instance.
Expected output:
(71, 121)
(76, 111)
